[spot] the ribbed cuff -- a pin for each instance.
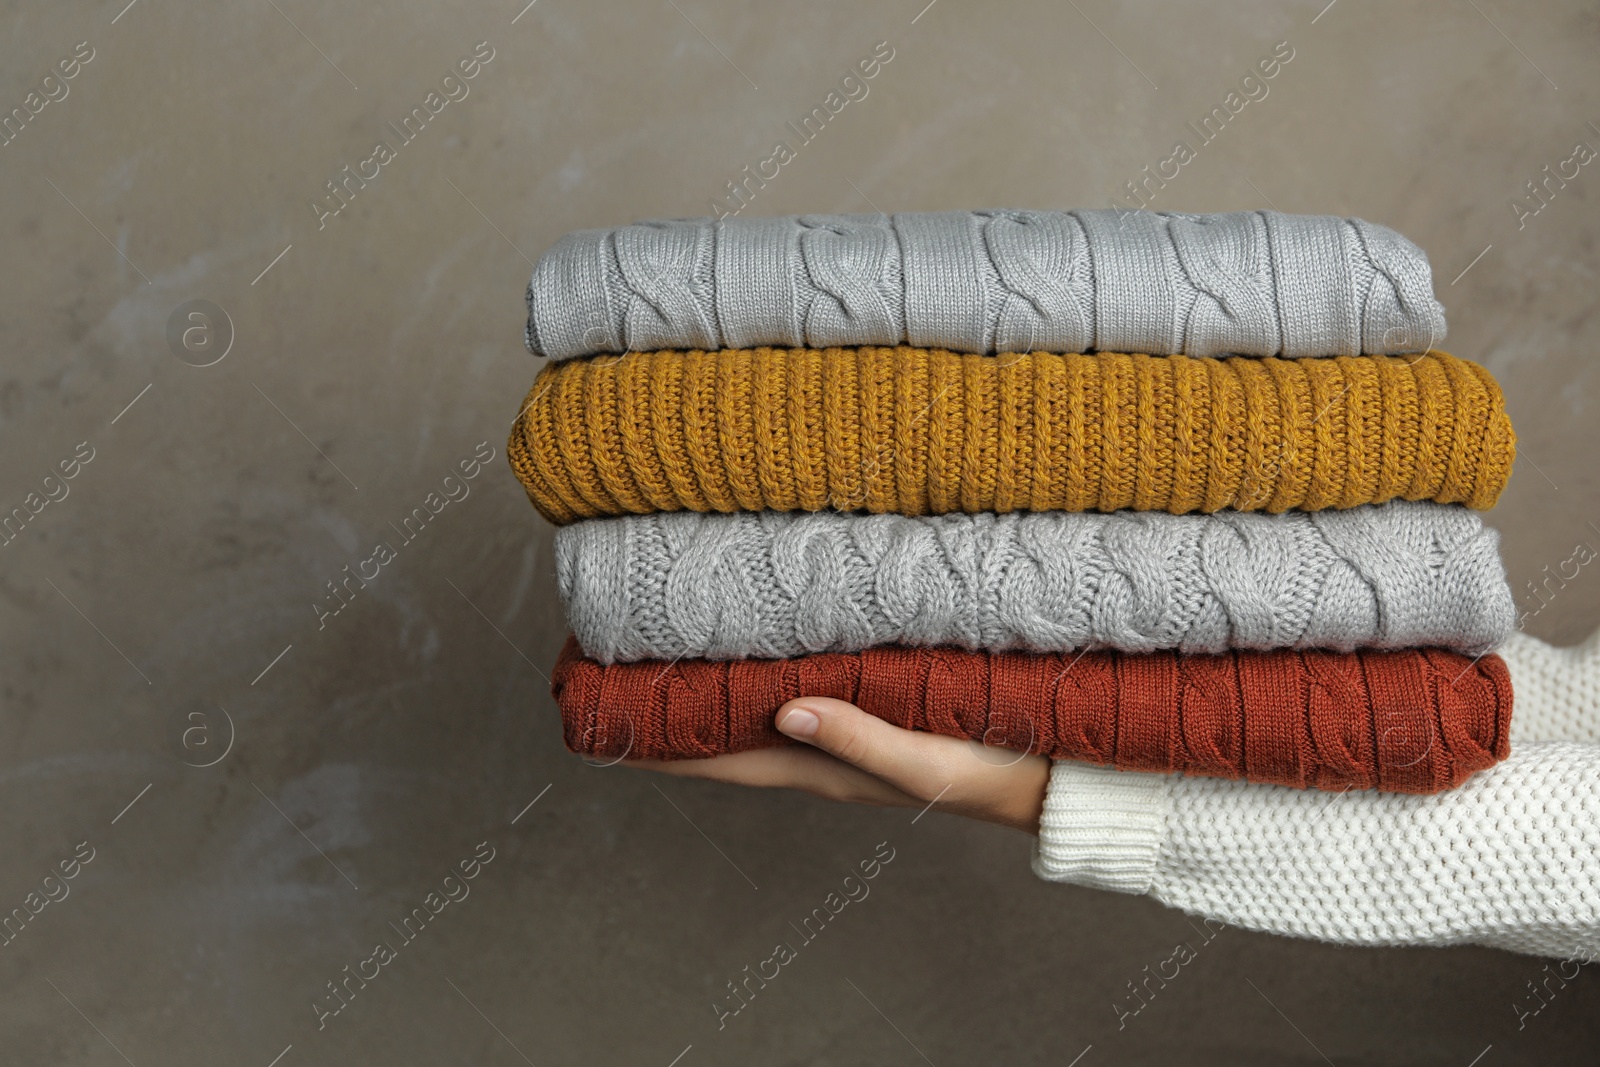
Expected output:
(1101, 827)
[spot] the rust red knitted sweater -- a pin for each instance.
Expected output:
(1410, 721)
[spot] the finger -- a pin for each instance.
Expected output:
(791, 767)
(920, 764)
(960, 774)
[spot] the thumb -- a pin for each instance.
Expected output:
(920, 764)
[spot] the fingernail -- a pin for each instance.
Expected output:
(799, 723)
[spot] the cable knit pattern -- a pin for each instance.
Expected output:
(1511, 859)
(1249, 283)
(775, 584)
(1413, 721)
(917, 431)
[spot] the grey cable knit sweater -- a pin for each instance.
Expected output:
(768, 584)
(1250, 283)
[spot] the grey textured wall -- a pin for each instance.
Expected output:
(167, 603)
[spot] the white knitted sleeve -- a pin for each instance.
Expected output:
(1511, 859)
(1555, 691)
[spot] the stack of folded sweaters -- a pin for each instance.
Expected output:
(868, 458)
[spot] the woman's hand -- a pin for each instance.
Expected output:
(852, 756)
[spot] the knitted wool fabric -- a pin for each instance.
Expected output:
(1558, 689)
(1251, 283)
(919, 431)
(774, 584)
(1414, 721)
(1510, 860)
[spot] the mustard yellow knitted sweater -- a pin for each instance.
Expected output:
(919, 431)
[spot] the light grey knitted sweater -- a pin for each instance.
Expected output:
(769, 584)
(1250, 283)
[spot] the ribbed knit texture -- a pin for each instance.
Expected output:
(1408, 721)
(1251, 283)
(774, 584)
(1511, 859)
(916, 431)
